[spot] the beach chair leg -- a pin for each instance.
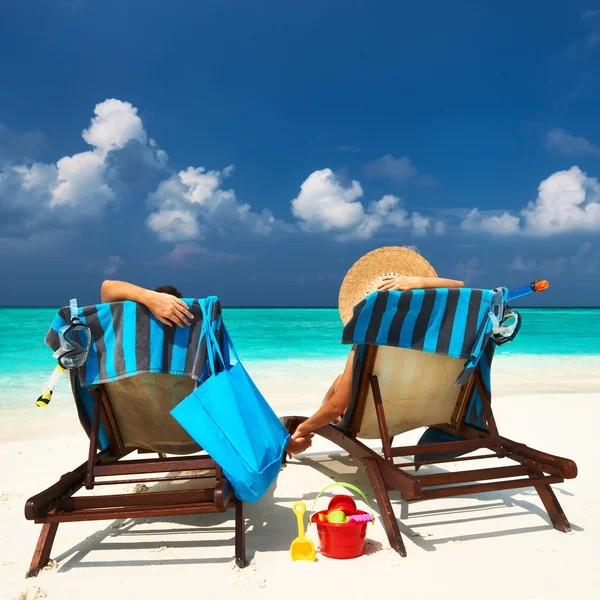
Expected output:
(390, 523)
(552, 505)
(41, 556)
(240, 534)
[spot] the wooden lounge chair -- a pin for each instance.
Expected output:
(134, 415)
(398, 390)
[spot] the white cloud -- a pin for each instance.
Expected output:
(114, 262)
(589, 14)
(559, 141)
(487, 222)
(399, 169)
(420, 223)
(469, 271)
(175, 225)
(39, 195)
(440, 228)
(190, 203)
(585, 260)
(567, 201)
(537, 268)
(115, 124)
(183, 253)
(326, 204)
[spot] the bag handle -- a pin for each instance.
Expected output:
(345, 485)
(212, 345)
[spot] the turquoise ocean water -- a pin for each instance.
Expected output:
(264, 335)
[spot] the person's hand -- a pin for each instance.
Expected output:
(168, 309)
(298, 443)
(400, 283)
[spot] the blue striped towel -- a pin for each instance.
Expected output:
(127, 340)
(452, 322)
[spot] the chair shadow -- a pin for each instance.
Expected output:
(266, 516)
(269, 517)
(501, 499)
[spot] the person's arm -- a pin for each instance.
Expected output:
(166, 308)
(402, 283)
(333, 408)
(118, 291)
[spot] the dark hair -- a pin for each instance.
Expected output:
(169, 289)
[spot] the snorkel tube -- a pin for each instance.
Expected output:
(536, 287)
(49, 386)
(74, 346)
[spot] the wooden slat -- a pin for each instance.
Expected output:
(135, 467)
(142, 499)
(442, 447)
(381, 420)
(394, 477)
(208, 475)
(478, 488)
(109, 420)
(436, 461)
(541, 460)
(460, 408)
(473, 475)
(89, 478)
(129, 513)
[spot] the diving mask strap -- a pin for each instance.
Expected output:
(73, 308)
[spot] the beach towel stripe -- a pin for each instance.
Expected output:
(422, 320)
(116, 311)
(379, 307)
(156, 344)
(142, 338)
(91, 364)
(436, 319)
(194, 337)
(458, 323)
(387, 318)
(402, 307)
(107, 338)
(168, 343)
(410, 319)
(472, 319)
(349, 329)
(178, 354)
(447, 327)
(129, 337)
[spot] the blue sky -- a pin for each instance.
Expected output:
(255, 150)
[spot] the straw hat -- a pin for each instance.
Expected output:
(367, 272)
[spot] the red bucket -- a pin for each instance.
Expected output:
(341, 540)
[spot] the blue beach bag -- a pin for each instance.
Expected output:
(229, 417)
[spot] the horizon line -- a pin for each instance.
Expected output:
(289, 307)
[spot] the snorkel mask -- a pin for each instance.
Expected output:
(75, 341)
(506, 330)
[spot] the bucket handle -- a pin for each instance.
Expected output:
(345, 485)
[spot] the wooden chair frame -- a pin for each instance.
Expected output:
(57, 505)
(533, 469)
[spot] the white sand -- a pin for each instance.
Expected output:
(497, 545)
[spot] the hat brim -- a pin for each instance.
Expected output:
(365, 273)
